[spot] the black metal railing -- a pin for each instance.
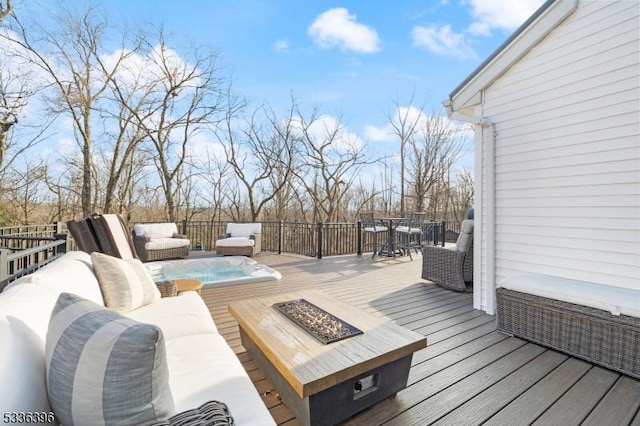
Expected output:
(310, 239)
(23, 249)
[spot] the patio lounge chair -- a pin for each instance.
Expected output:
(104, 233)
(451, 268)
(241, 239)
(159, 241)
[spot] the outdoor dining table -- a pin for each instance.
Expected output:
(391, 223)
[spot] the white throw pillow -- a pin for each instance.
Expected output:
(126, 284)
(103, 368)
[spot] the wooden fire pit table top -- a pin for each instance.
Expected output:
(310, 366)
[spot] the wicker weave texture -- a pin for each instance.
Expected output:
(150, 255)
(240, 250)
(167, 288)
(444, 267)
(584, 332)
(212, 413)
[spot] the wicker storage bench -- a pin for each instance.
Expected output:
(595, 335)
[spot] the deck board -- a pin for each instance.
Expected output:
(467, 374)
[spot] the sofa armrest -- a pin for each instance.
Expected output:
(141, 239)
(223, 236)
(209, 413)
(181, 236)
(258, 243)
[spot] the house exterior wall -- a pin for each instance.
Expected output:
(567, 155)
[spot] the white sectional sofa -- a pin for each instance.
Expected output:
(201, 366)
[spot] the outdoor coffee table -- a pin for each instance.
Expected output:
(322, 383)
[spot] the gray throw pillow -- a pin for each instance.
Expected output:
(103, 368)
(126, 284)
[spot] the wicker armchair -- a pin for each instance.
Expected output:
(159, 241)
(241, 239)
(451, 268)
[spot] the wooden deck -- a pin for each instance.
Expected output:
(468, 374)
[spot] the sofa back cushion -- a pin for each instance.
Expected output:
(155, 230)
(243, 229)
(103, 368)
(465, 239)
(126, 284)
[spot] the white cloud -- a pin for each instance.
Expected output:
(379, 133)
(442, 40)
(500, 14)
(281, 46)
(337, 28)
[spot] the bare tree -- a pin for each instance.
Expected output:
(404, 121)
(261, 153)
(181, 100)
(435, 148)
(332, 162)
(5, 9)
(70, 56)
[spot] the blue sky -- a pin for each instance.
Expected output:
(353, 59)
(350, 57)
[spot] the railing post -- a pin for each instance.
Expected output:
(4, 265)
(444, 233)
(63, 247)
(184, 227)
(319, 251)
(359, 239)
(280, 236)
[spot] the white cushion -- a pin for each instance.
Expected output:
(166, 243)
(616, 300)
(183, 315)
(155, 230)
(56, 276)
(126, 284)
(22, 366)
(120, 236)
(103, 368)
(243, 229)
(236, 242)
(204, 367)
(376, 228)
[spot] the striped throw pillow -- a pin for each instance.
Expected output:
(103, 368)
(126, 284)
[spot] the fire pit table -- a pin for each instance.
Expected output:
(325, 379)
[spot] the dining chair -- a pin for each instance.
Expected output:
(409, 233)
(371, 227)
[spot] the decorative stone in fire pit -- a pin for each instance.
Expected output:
(316, 321)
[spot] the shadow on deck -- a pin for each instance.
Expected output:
(468, 374)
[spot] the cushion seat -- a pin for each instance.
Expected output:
(165, 243)
(236, 242)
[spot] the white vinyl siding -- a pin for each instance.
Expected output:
(567, 157)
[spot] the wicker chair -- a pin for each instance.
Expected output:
(371, 226)
(159, 241)
(241, 239)
(451, 268)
